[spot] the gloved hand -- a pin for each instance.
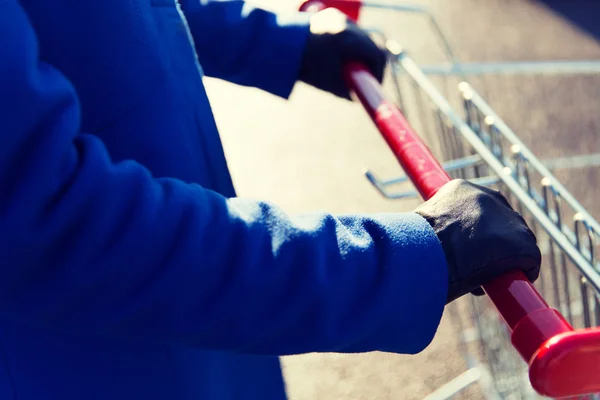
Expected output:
(334, 40)
(482, 236)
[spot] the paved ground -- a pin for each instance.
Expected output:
(308, 154)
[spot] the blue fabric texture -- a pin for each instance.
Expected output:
(129, 268)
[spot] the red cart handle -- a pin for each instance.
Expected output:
(562, 362)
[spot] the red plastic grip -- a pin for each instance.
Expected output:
(563, 362)
(349, 7)
(416, 159)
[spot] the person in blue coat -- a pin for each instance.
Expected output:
(130, 270)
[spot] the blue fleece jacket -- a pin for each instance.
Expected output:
(128, 269)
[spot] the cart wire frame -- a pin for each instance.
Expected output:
(549, 200)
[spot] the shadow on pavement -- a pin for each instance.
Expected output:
(585, 14)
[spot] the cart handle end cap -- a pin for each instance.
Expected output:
(567, 365)
(349, 7)
(536, 328)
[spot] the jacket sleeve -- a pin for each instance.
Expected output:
(94, 247)
(247, 45)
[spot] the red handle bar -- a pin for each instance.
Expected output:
(562, 362)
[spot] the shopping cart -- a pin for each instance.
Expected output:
(517, 324)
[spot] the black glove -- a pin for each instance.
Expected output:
(482, 236)
(332, 42)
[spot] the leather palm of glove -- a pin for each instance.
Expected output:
(333, 41)
(481, 235)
